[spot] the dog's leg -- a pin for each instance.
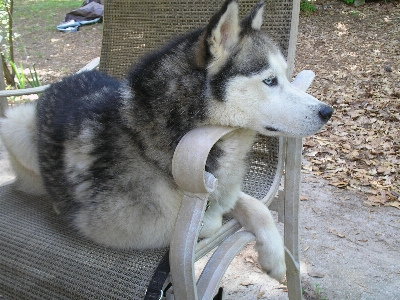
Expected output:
(212, 220)
(256, 217)
(19, 134)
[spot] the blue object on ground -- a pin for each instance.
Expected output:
(72, 26)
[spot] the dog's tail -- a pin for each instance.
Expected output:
(18, 131)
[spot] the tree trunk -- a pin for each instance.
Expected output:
(3, 100)
(9, 75)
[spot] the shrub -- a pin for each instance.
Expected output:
(307, 6)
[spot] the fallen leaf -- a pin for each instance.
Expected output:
(284, 289)
(316, 274)
(377, 199)
(337, 233)
(249, 259)
(395, 204)
(312, 154)
(260, 295)
(341, 184)
(369, 203)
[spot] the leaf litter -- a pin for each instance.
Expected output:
(355, 54)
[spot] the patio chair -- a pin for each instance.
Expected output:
(42, 259)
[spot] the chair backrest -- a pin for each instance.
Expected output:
(132, 28)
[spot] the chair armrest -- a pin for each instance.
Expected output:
(303, 80)
(36, 90)
(20, 92)
(90, 66)
(188, 169)
(188, 163)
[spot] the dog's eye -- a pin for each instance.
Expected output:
(271, 81)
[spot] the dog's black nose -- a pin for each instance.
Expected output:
(325, 112)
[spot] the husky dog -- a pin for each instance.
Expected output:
(102, 148)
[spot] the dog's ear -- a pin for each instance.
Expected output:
(221, 35)
(254, 19)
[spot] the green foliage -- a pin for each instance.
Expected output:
(33, 81)
(19, 74)
(4, 8)
(349, 1)
(318, 292)
(5, 16)
(307, 6)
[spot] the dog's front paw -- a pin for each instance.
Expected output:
(274, 265)
(271, 258)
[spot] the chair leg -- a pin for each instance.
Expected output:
(293, 277)
(291, 219)
(216, 266)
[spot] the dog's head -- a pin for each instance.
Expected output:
(247, 78)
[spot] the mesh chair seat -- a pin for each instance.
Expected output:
(263, 178)
(42, 258)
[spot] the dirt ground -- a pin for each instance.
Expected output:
(350, 217)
